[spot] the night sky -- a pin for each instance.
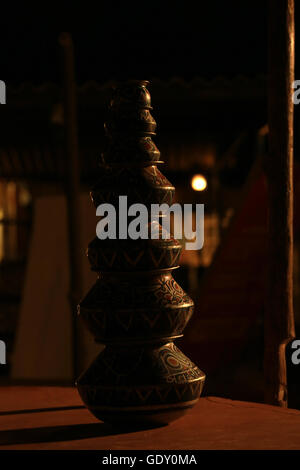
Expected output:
(122, 40)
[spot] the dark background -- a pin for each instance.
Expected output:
(129, 39)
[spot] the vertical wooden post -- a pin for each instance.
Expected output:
(72, 186)
(279, 320)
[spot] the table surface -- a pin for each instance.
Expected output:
(54, 418)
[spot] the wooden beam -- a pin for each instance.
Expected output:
(72, 186)
(279, 318)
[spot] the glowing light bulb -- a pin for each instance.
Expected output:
(198, 183)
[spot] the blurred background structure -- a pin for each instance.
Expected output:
(208, 84)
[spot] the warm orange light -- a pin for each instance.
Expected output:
(199, 182)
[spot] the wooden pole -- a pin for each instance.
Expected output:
(72, 187)
(279, 319)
